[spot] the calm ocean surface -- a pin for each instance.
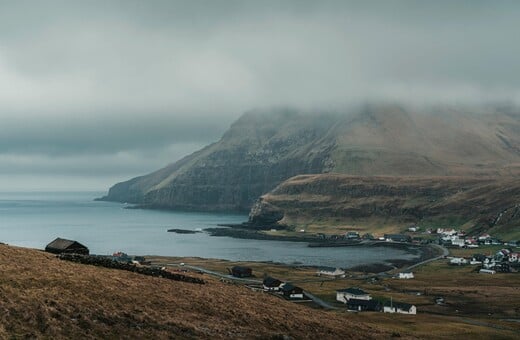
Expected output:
(35, 219)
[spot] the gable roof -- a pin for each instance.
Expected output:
(271, 282)
(61, 243)
(353, 291)
(367, 303)
(290, 287)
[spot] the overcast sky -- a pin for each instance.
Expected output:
(94, 92)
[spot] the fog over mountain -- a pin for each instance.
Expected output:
(95, 92)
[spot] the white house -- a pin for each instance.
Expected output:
(330, 271)
(458, 261)
(458, 242)
(484, 237)
(514, 257)
(446, 232)
(343, 295)
(406, 275)
(290, 291)
(271, 284)
(399, 307)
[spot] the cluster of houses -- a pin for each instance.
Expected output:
(355, 236)
(286, 289)
(358, 300)
(505, 261)
(459, 238)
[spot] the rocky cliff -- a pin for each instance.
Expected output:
(264, 148)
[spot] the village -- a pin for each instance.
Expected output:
(339, 289)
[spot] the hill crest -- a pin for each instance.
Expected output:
(264, 148)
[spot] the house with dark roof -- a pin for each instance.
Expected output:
(343, 295)
(399, 307)
(364, 305)
(239, 271)
(271, 284)
(291, 292)
(61, 245)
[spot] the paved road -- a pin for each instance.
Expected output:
(445, 252)
(319, 301)
(217, 274)
(315, 299)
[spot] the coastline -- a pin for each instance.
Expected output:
(422, 252)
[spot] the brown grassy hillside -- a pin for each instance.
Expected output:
(385, 203)
(44, 297)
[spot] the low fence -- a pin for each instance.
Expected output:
(109, 263)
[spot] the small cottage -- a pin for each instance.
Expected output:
(330, 271)
(240, 271)
(290, 291)
(343, 295)
(271, 284)
(399, 307)
(61, 245)
(406, 275)
(363, 305)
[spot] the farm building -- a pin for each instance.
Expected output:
(292, 292)
(331, 271)
(239, 271)
(343, 295)
(406, 275)
(271, 284)
(364, 305)
(60, 245)
(399, 307)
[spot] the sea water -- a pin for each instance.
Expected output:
(34, 219)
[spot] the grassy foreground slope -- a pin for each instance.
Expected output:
(44, 297)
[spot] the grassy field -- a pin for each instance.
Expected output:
(470, 298)
(44, 297)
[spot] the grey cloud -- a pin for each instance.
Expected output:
(83, 81)
(109, 134)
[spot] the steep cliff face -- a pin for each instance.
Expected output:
(484, 203)
(264, 148)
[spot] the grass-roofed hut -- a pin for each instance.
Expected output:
(60, 245)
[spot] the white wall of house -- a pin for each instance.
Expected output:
(271, 289)
(296, 296)
(388, 309)
(406, 275)
(336, 272)
(344, 297)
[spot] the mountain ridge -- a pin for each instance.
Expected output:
(265, 147)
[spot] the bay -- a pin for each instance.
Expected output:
(34, 219)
